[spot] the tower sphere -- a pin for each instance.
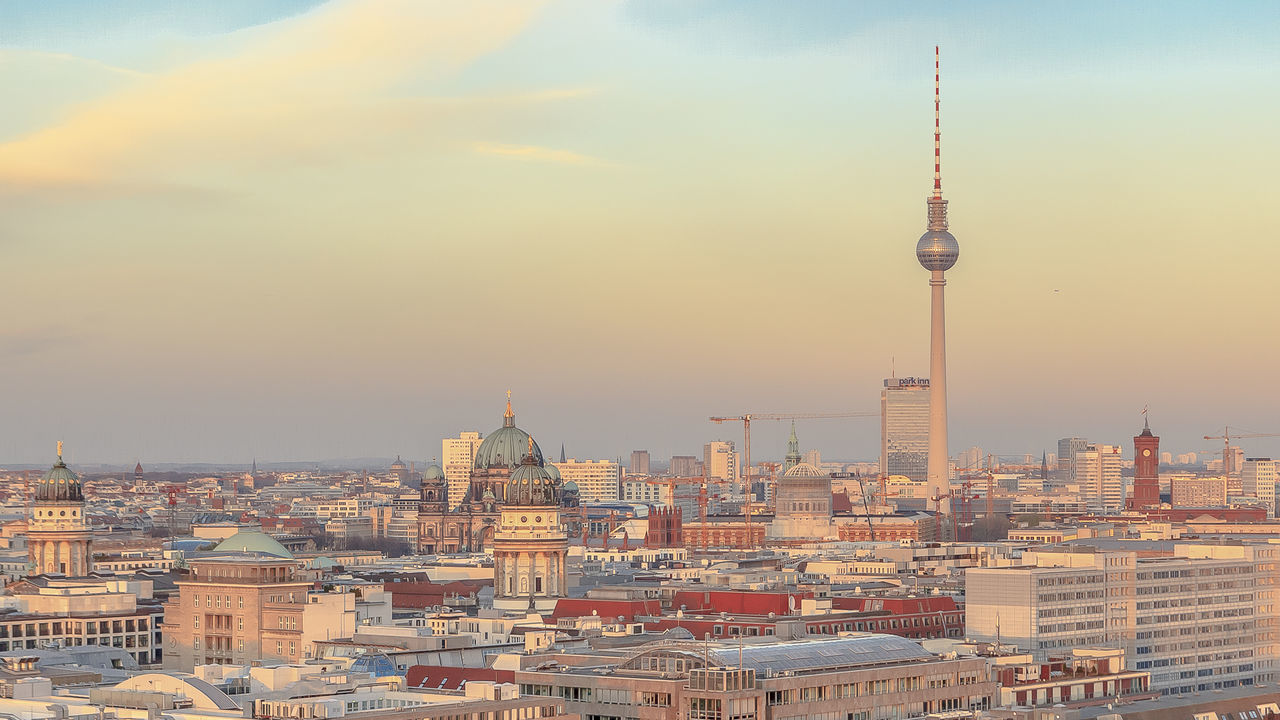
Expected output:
(937, 250)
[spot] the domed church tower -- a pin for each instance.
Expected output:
(58, 538)
(530, 547)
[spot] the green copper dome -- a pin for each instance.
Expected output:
(433, 472)
(251, 541)
(506, 446)
(552, 470)
(59, 484)
(531, 484)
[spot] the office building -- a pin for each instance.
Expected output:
(685, 466)
(457, 456)
(1198, 492)
(1067, 449)
(1097, 472)
(719, 460)
(1258, 480)
(639, 462)
(1201, 618)
(597, 480)
(904, 428)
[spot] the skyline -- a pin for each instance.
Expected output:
(310, 230)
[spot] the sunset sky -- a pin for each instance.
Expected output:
(299, 230)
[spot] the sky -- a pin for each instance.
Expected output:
(294, 230)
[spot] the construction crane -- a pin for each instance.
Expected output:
(1225, 437)
(746, 441)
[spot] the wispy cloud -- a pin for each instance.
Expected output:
(275, 94)
(534, 152)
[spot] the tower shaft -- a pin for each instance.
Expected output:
(938, 475)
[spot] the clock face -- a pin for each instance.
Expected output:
(1146, 453)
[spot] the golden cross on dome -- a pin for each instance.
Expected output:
(509, 413)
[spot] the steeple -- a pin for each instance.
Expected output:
(562, 452)
(793, 450)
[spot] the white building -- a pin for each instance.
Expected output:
(719, 460)
(1097, 472)
(904, 428)
(329, 509)
(597, 480)
(651, 491)
(1204, 619)
(457, 455)
(1258, 479)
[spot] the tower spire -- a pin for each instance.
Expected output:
(509, 417)
(937, 206)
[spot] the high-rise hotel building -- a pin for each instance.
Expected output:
(904, 428)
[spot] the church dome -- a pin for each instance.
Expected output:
(553, 471)
(505, 447)
(251, 541)
(531, 484)
(805, 470)
(59, 484)
(398, 465)
(433, 472)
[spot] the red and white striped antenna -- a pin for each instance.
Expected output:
(937, 122)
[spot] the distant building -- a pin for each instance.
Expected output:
(597, 480)
(530, 547)
(639, 462)
(645, 490)
(1097, 472)
(1198, 492)
(1067, 449)
(456, 458)
(1146, 470)
(904, 428)
(685, 466)
(1258, 479)
(719, 460)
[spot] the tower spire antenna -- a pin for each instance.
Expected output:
(937, 121)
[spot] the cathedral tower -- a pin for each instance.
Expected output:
(58, 538)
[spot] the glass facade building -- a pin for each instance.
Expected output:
(904, 428)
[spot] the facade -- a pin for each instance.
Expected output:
(597, 480)
(904, 428)
(457, 455)
(860, 677)
(645, 490)
(1201, 619)
(1197, 492)
(719, 460)
(1258, 479)
(1146, 470)
(1097, 472)
(639, 462)
(684, 466)
(530, 548)
(803, 508)
(1067, 449)
(66, 612)
(58, 538)
(920, 527)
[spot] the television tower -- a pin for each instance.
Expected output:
(937, 251)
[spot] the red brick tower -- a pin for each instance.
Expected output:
(1146, 471)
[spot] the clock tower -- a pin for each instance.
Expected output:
(1146, 470)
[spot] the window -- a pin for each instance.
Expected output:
(240, 623)
(241, 645)
(279, 647)
(241, 599)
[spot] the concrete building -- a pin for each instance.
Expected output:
(597, 480)
(1258, 479)
(639, 462)
(645, 490)
(719, 460)
(1097, 472)
(1067, 449)
(904, 428)
(1200, 617)
(456, 456)
(247, 602)
(1198, 492)
(684, 466)
(73, 612)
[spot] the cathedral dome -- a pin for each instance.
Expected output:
(805, 470)
(251, 541)
(59, 484)
(553, 471)
(531, 484)
(432, 473)
(505, 446)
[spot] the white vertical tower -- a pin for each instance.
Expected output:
(937, 251)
